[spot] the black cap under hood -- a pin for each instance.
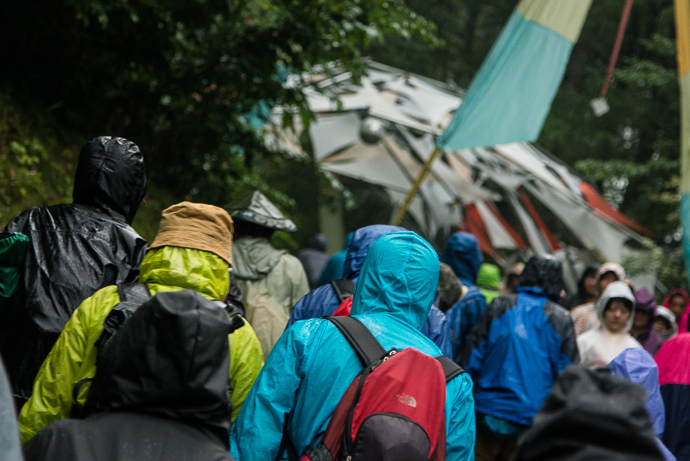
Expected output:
(545, 273)
(170, 359)
(110, 176)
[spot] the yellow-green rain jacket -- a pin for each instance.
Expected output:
(73, 356)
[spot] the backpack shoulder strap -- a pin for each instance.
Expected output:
(135, 292)
(450, 368)
(344, 288)
(368, 348)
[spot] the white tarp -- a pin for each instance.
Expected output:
(594, 231)
(331, 133)
(525, 159)
(534, 237)
(499, 236)
(370, 163)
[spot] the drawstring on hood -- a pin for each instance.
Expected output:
(399, 277)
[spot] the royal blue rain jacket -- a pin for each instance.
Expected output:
(312, 364)
(323, 301)
(517, 349)
(462, 254)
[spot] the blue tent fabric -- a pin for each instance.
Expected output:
(312, 364)
(323, 301)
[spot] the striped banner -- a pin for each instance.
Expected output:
(682, 8)
(510, 96)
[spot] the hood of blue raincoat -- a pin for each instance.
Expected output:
(399, 277)
(362, 240)
(462, 254)
(638, 366)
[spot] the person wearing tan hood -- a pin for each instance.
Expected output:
(192, 251)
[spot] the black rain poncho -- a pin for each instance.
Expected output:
(75, 249)
(160, 390)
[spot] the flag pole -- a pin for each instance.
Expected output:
(415, 187)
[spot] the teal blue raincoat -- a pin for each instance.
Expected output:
(312, 364)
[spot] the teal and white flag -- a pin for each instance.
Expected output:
(510, 96)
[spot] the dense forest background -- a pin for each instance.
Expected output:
(192, 82)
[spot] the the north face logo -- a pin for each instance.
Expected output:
(407, 400)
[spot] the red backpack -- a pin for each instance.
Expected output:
(393, 410)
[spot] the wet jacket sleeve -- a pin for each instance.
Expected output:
(463, 316)
(472, 352)
(560, 320)
(436, 329)
(258, 430)
(246, 360)
(460, 435)
(72, 358)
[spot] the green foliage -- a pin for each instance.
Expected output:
(192, 82)
(673, 273)
(29, 176)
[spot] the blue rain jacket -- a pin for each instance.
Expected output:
(638, 366)
(518, 347)
(312, 364)
(462, 254)
(323, 301)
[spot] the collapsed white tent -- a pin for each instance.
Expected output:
(413, 111)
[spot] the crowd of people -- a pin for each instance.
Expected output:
(211, 344)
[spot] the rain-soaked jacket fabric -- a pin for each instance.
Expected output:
(312, 364)
(323, 301)
(683, 323)
(256, 262)
(674, 377)
(515, 353)
(10, 448)
(168, 363)
(462, 254)
(74, 355)
(335, 265)
(638, 366)
(12, 249)
(489, 281)
(591, 415)
(599, 346)
(75, 249)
